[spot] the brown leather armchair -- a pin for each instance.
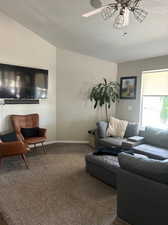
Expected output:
(29, 121)
(14, 148)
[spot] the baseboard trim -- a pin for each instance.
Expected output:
(72, 142)
(61, 142)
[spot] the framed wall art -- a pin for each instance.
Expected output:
(128, 87)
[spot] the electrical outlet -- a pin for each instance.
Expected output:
(129, 108)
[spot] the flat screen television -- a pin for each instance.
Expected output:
(17, 82)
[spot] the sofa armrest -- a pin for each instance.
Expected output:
(42, 132)
(12, 148)
(129, 144)
(133, 142)
(137, 139)
(149, 194)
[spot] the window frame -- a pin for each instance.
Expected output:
(141, 94)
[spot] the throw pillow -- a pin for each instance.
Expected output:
(30, 132)
(117, 127)
(132, 130)
(9, 137)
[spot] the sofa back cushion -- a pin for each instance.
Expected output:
(102, 128)
(156, 137)
(141, 165)
(132, 130)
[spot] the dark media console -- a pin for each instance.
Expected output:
(21, 101)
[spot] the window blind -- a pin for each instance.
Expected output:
(155, 83)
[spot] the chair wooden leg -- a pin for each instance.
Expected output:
(25, 160)
(35, 147)
(43, 147)
(1, 162)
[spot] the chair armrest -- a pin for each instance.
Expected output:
(12, 148)
(42, 132)
(19, 135)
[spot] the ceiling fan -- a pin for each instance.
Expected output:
(120, 8)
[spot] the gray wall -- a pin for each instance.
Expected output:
(130, 109)
(76, 74)
(20, 46)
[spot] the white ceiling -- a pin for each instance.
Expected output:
(60, 23)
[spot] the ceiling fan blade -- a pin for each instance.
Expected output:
(94, 12)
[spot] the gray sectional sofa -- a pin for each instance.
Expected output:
(142, 190)
(141, 179)
(154, 145)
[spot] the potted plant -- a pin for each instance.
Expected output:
(105, 94)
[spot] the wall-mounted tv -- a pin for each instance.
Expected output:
(17, 82)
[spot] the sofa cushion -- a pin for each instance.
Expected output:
(151, 151)
(131, 130)
(102, 128)
(111, 141)
(106, 161)
(149, 168)
(156, 137)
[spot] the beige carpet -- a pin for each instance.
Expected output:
(56, 190)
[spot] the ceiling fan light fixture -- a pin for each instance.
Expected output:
(119, 22)
(108, 12)
(122, 7)
(96, 4)
(122, 20)
(139, 14)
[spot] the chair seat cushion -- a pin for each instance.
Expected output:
(111, 141)
(152, 151)
(34, 140)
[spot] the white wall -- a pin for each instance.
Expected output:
(75, 75)
(20, 46)
(135, 68)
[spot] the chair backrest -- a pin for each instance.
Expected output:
(24, 121)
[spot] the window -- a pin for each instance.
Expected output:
(155, 99)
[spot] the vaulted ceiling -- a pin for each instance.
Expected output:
(60, 23)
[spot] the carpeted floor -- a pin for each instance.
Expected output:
(56, 190)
